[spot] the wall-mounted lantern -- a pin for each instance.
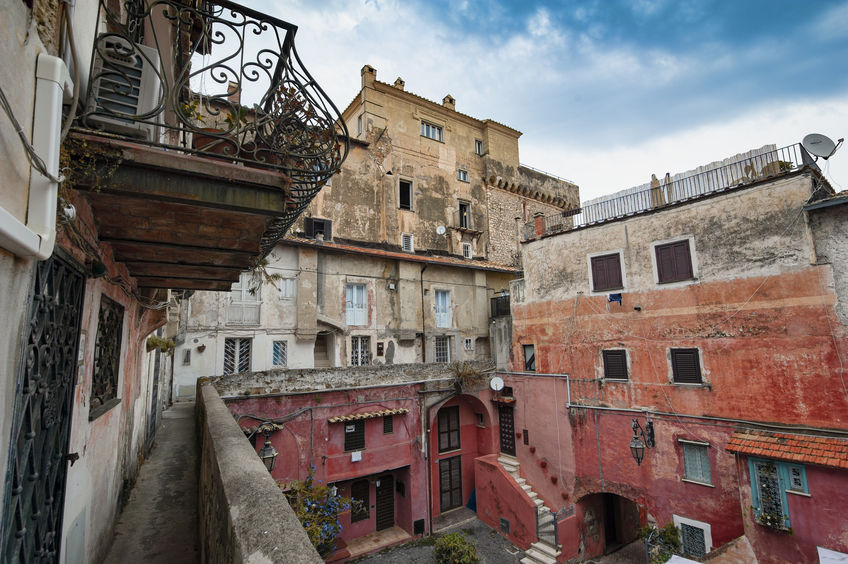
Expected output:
(268, 453)
(642, 438)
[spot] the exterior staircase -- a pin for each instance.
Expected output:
(545, 550)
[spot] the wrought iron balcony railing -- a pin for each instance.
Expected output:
(217, 79)
(744, 171)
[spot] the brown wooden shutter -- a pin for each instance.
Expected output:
(615, 365)
(606, 273)
(307, 227)
(674, 262)
(685, 366)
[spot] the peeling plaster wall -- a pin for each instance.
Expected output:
(831, 245)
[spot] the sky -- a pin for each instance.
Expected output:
(605, 92)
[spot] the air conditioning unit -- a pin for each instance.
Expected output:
(125, 85)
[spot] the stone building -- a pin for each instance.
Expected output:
(689, 344)
(395, 260)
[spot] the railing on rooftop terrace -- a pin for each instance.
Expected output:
(522, 165)
(217, 79)
(737, 173)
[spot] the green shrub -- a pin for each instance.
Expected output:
(452, 548)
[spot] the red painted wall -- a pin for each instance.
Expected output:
(817, 520)
(498, 496)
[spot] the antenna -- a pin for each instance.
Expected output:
(440, 230)
(820, 145)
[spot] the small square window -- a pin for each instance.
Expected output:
(615, 365)
(692, 540)
(478, 147)
(462, 175)
(686, 366)
(469, 344)
(315, 226)
(280, 355)
(354, 436)
(467, 251)
(606, 273)
(529, 358)
(696, 462)
(407, 242)
(674, 262)
(388, 424)
(405, 195)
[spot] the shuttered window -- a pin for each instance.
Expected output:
(606, 273)
(674, 262)
(360, 493)
(685, 366)
(388, 424)
(449, 428)
(313, 226)
(443, 308)
(696, 462)
(615, 365)
(354, 435)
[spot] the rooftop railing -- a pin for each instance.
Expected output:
(661, 194)
(216, 79)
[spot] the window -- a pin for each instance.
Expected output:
(107, 352)
(465, 215)
(469, 344)
(685, 366)
(478, 147)
(443, 349)
(462, 175)
(674, 262)
(360, 351)
(467, 251)
(770, 482)
(244, 301)
(388, 424)
(280, 356)
(407, 242)
(615, 364)
(236, 355)
(359, 124)
(315, 226)
(356, 304)
(287, 288)
(696, 462)
(354, 436)
(449, 428)
(606, 273)
(431, 131)
(360, 495)
(443, 309)
(405, 196)
(529, 358)
(186, 357)
(696, 537)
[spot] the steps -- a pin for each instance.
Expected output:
(545, 550)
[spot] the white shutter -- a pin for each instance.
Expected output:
(351, 315)
(443, 309)
(355, 304)
(361, 311)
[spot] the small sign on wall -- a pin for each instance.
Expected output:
(356, 456)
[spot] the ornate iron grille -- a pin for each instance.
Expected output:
(218, 79)
(770, 511)
(360, 353)
(107, 352)
(35, 480)
(236, 355)
(693, 540)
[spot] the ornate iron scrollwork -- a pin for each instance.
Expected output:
(107, 352)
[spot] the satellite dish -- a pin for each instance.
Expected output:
(440, 230)
(496, 383)
(819, 145)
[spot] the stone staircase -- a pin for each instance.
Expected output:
(545, 550)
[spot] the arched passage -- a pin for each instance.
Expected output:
(609, 522)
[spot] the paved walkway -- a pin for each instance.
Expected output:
(159, 523)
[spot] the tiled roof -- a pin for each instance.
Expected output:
(367, 415)
(807, 449)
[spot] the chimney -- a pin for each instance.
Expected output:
(399, 83)
(369, 75)
(234, 92)
(449, 102)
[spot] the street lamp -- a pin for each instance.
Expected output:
(268, 453)
(641, 438)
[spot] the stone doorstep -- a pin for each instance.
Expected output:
(548, 549)
(536, 556)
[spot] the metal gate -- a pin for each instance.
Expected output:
(35, 479)
(505, 418)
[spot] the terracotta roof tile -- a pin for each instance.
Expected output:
(824, 451)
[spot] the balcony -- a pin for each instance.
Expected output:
(202, 139)
(764, 164)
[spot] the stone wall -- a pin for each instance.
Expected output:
(243, 515)
(504, 207)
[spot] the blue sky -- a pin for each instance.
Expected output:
(606, 92)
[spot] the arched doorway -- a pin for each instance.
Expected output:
(610, 522)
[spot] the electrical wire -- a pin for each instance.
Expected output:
(66, 16)
(34, 160)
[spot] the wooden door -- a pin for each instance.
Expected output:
(507, 424)
(450, 483)
(385, 503)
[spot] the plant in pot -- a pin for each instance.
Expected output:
(218, 141)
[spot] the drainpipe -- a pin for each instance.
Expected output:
(37, 237)
(423, 326)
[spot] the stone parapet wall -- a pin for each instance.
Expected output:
(243, 515)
